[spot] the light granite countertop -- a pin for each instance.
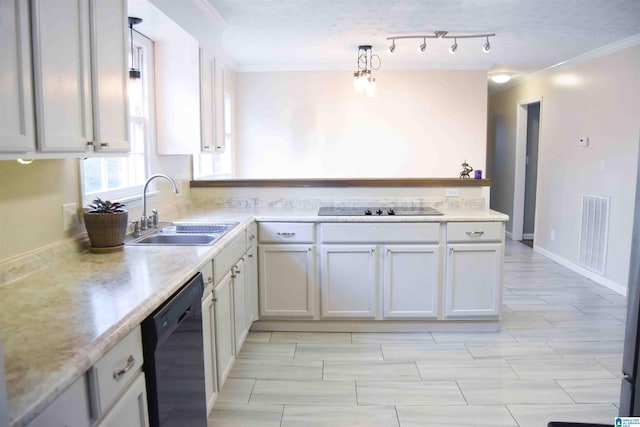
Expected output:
(57, 322)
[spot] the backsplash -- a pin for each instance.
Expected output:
(312, 203)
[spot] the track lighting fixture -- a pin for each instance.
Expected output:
(454, 47)
(392, 48)
(487, 46)
(134, 72)
(363, 80)
(442, 35)
(423, 46)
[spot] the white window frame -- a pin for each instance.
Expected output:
(132, 195)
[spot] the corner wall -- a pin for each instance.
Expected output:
(600, 99)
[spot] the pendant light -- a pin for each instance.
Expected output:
(134, 72)
(363, 80)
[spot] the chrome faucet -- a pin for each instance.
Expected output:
(144, 219)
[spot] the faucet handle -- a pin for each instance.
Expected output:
(155, 219)
(136, 228)
(143, 223)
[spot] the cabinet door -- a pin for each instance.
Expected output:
(286, 280)
(17, 128)
(348, 281)
(208, 338)
(224, 336)
(251, 285)
(239, 303)
(62, 75)
(207, 101)
(131, 409)
(474, 280)
(411, 281)
(109, 75)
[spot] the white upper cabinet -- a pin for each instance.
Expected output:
(62, 75)
(208, 101)
(17, 129)
(109, 58)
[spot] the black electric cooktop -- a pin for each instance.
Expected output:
(359, 211)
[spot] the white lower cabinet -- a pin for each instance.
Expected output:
(239, 303)
(131, 409)
(111, 394)
(411, 284)
(473, 285)
(348, 281)
(208, 337)
(71, 408)
(224, 329)
(251, 284)
(286, 280)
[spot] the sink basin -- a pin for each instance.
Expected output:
(184, 234)
(178, 239)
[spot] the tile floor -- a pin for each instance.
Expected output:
(557, 357)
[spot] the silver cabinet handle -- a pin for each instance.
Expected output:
(451, 250)
(131, 361)
(250, 255)
(104, 144)
(287, 233)
(475, 233)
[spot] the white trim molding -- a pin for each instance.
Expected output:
(601, 280)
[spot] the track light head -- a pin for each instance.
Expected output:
(392, 48)
(454, 47)
(423, 46)
(487, 46)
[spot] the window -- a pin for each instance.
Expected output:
(122, 178)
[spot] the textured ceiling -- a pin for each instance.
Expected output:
(324, 34)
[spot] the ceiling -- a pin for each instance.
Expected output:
(324, 34)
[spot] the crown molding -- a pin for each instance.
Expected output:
(580, 59)
(208, 8)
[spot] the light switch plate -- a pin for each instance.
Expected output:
(69, 216)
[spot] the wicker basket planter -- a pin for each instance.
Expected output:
(106, 230)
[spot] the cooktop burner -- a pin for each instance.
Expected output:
(358, 211)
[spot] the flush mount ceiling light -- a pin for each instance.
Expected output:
(363, 80)
(442, 35)
(500, 77)
(134, 72)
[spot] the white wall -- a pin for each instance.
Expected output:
(311, 124)
(599, 99)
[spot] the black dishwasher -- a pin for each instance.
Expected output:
(174, 359)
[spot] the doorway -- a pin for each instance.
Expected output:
(526, 170)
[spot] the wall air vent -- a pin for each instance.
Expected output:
(594, 233)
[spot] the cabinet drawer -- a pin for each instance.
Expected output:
(111, 375)
(475, 232)
(380, 233)
(252, 235)
(286, 232)
(226, 259)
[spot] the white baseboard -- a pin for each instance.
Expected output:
(622, 290)
(527, 236)
(509, 235)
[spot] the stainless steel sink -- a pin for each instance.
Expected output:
(184, 234)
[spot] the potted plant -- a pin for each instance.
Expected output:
(106, 223)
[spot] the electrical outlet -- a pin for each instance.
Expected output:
(451, 192)
(553, 235)
(69, 216)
